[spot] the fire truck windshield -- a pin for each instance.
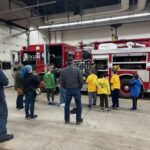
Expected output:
(29, 58)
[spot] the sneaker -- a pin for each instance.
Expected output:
(27, 117)
(79, 122)
(89, 106)
(51, 103)
(33, 116)
(102, 109)
(117, 108)
(62, 105)
(94, 105)
(6, 138)
(67, 122)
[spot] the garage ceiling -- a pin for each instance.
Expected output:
(27, 13)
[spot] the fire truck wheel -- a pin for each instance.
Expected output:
(125, 88)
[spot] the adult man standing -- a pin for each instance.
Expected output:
(72, 80)
(3, 110)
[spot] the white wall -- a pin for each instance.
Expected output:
(38, 37)
(126, 31)
(10, 40)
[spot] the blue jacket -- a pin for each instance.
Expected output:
(3, 82)
(135, 87)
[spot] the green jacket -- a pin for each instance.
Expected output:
(49, 80)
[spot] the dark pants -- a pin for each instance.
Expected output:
(3, 116)
(134, 104)
(73, 92)
(50, 93)
(19, 102)
(29, 103)
(92, 98)
(115, 100)
(103, 99)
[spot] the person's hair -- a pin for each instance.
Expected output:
(69, 60)
(100, 76)
(20, 66)
(135, 75)
(105, 74)
(115, 71)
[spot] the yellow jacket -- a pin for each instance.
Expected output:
(90, 82)
(103, 86)
(115, 82)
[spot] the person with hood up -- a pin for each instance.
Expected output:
(31, 82)
(135, 89)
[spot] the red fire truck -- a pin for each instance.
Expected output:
(39, 56)
(130, 56)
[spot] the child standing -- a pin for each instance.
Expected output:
(103, 91)
(135, 89)
(92, 88)
(50, 85)
(115, 87)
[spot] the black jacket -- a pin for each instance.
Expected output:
(71, 77)
(30, 83)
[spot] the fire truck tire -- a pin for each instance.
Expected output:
(124, 88)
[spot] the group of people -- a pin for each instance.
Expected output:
(103, 88)
(70, 82)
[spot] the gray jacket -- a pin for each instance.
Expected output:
(71, 77)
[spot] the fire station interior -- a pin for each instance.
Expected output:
(104, 37)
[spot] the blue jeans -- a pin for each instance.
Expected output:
(62, 95)
(92, 98)
(19, 102)
(3, 116)
(115, 100)
(29, 103)
(73, 92)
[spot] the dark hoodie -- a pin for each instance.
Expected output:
(31, 82)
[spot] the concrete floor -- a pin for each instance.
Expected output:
(115, 130)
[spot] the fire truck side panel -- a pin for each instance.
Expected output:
(129, 60)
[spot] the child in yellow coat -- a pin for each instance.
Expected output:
(91, 88)
(103, 91)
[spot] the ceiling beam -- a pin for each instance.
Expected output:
(28, 7)
(9, 23)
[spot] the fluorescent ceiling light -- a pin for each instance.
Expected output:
(95, 21)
